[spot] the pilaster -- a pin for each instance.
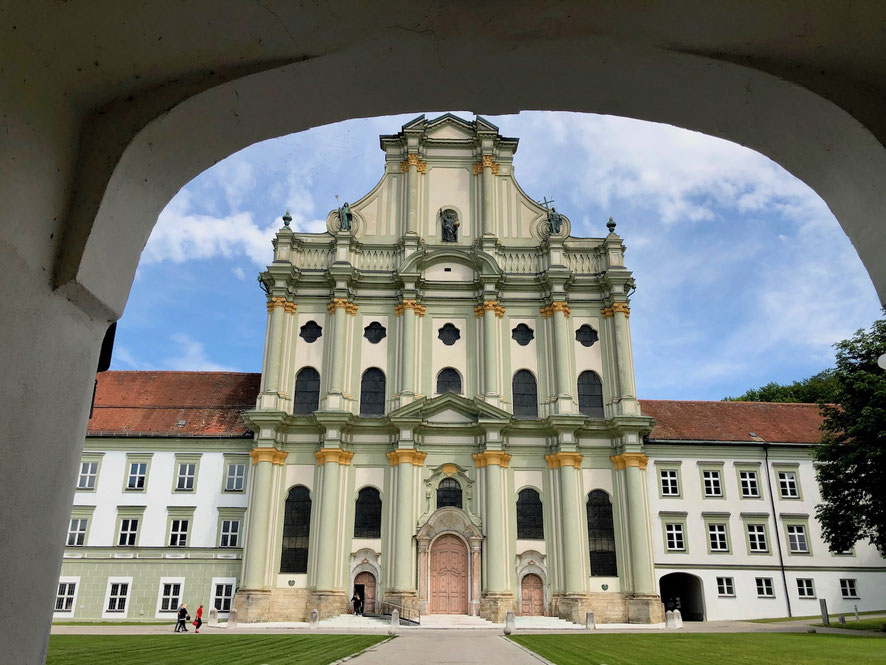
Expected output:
(408, 309)
(280, 313)
(257, 550)
(633, 466)
(404, 460)
(620, 312)
(340, 309)
(559, 311)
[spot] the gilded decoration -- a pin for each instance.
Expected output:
(414, 305)
(616, 307)
(629, 459)
(492, 458)
(486, 161)
(325, 455)
(290, 307)
(489, 306)
(563, 458)
(449, 469)
(406, 455)
(556, 306)
(271, 455)
(413, 160)
(347, 305)
(280, 301)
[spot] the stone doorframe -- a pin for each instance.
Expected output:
(532, 562)
(453, 521)
(366, 561)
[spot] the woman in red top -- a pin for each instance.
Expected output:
(199, 621)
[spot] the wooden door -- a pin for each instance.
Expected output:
(368, 582)
(449, 576)
(533, 596)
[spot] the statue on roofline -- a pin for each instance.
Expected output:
(555, 221)
(345, 217)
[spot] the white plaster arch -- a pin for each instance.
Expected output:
(365, 560)
(532, 562)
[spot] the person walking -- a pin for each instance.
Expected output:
(357, 602)
(199, 620)
(182, 617)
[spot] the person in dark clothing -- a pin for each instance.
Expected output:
(358, 604)
(182, 617)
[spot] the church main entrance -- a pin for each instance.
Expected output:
(449, 576)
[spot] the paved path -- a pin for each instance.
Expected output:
(427, 647)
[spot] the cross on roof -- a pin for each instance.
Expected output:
(545, 203)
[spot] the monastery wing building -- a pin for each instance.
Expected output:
(446, 422)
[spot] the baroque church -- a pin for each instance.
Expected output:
(446, 422)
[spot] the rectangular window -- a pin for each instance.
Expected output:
(725, 586)
(764, 587)
(178, 533)
(128, 532)
(138, 472)
(235, 477)
(797, 539)
(717, 536)
(757, 538)
(669, 485)
(712, 486)
(77, 533)
(88, 473)
(224, 594)
(805, 587)
(749, 487)
(230, 533)
(186, 473)
(674, 534)
(64, 599)
(848, 588)
(117, 597)
(787, 485)
(170, 597)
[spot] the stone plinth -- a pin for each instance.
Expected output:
(272, 605)
(609, 607)
(495, 606)
(408, 600)
(572, 607)
(252, 606)
(645, 608)
(328, 603)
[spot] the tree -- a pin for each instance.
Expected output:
(852, 454)
(819, 388)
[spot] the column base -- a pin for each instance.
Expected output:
(272, 605)
(495, 606)
(327, 603)
(608, 607)
(408, 600)
(252, 606)
(645, 608)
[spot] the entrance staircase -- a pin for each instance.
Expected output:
(544, 623)
(354, 622)
(456, 621)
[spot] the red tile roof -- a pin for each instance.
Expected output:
(733, 421)
(153, 403)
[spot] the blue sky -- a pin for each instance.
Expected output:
(743, 274)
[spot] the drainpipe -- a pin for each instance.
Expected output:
(784, 577)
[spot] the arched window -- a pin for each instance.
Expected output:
(525, 394)
(307, 391)
(448, 381)
(296, 531)
(601, 535)
(372, 393)
(367, 514)
(590, 394)
(448, 493)
(530, 515)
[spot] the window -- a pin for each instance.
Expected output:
(448, 493)
(601, 535)
(128, 532)
(448, 381)
(757, 538)
(787, 485)
(178, 533)
(223, 596)
(375, 332)
(88, 473)
(310, 332)
(64, 599)
(449, 334)
(138, 472)
(674, 537)
(586, 336)
(187, 471)
(725, 586)
(367, 514)
(750, 489)
(848, 588)
(77, 533)
(669, 483)
(372, 393)
(307, 392)
(530, 515)
(712, 486)
(117, 597)
(525, 395)
(590, 394)
(170, 596)
(717, 538)
(805, 587)
(764, 587)
(522, 334)
(296, 531)
(234, 478)
(797, 539)
(230, 533)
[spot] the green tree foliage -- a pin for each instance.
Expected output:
(822, 387)
(852, 473)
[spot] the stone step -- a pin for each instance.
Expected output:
(544, 623)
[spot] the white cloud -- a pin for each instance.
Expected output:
(191, 355)
(239, 273)
(127, 359)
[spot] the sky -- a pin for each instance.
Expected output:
(743, 274)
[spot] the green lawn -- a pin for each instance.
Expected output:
(852, 624)
(692, 649)
(204, 650)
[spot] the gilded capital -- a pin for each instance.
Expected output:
(338, 455)
(563, 458)
(616, 307)
(486, 162)
(290, 307)
(492, 458)
(629, 459)
(344, 303)
(279, 301)
(489, 306)
(406, 456)
(265, 455)
(412, 159)
(414, 305)
(280, 457)
(556, 306)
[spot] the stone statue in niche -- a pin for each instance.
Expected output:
(450, 223)
(555, 221)
(345, 216)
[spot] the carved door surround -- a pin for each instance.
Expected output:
(532, 563)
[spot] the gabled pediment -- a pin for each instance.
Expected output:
(450, 409)
(449, 126)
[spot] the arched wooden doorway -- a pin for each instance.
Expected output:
(364, 586)
(532, 596)
(449, 576)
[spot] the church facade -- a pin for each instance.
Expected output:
(446, 422)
